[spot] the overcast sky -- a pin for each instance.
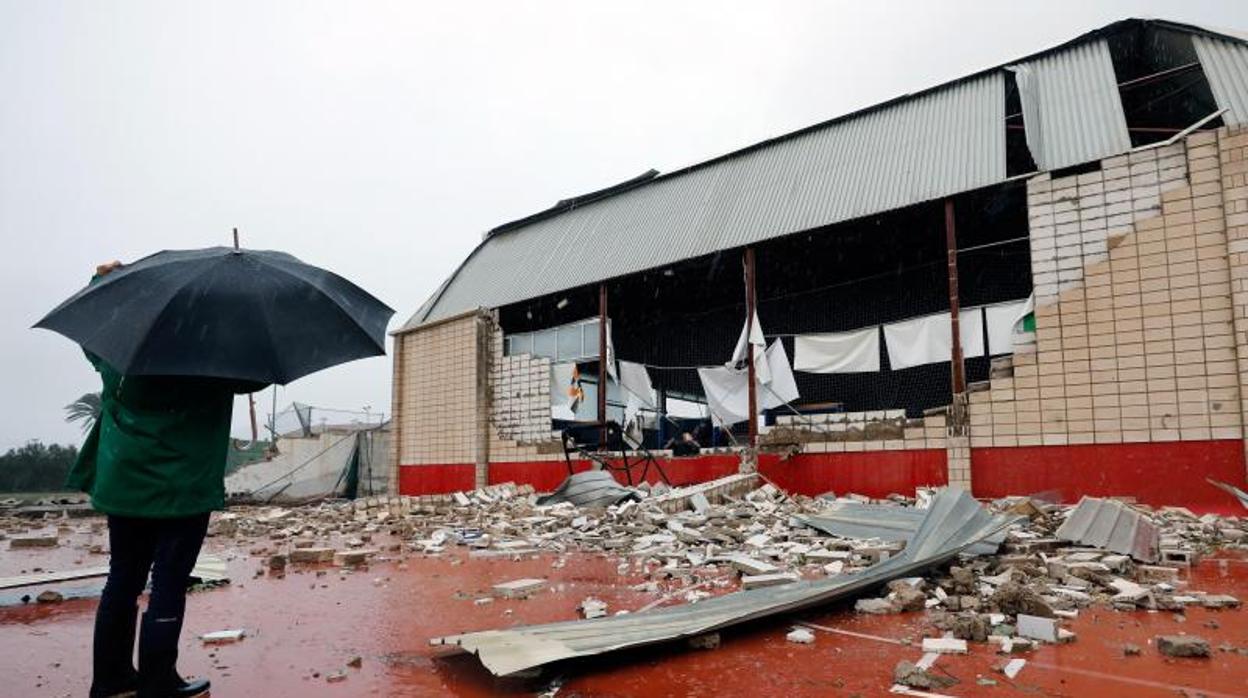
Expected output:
(381, 139)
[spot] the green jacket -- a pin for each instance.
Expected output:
(158, 448)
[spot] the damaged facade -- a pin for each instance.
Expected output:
(1102, 182)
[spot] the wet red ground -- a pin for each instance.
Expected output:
(304, 626)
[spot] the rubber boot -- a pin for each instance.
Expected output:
(158, 658)
(113, 674)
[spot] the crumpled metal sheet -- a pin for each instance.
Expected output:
(592, 488)
(954, 522)
(883, 522)
(1112, 525)
(1234, 491)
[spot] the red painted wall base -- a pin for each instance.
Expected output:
(1154, 473)
(437, 479)
(873, 473)
(1158, 473)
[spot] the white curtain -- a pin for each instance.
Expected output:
(727, 393)
(929, 339)
(782, 387)
(839, 352)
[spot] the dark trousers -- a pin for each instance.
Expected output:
(168, 549)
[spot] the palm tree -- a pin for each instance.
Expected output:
(85, 409)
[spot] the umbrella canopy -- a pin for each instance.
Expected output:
(223, 312)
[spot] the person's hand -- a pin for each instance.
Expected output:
(105, 268)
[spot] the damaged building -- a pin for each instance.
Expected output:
(1033, 278)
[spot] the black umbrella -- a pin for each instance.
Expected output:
(223, 312)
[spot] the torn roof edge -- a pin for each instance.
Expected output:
(426, 309)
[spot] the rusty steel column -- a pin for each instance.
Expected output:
(958, 440)
(750, 302)
(958, 369)
(602, 365)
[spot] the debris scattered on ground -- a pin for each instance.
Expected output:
(909, 674)
(683, 545)
(1037, 627)
(1183, 646)
(944, 645)
(758, 581)
(312, 555)
(1110, 524)
(801, 636)
(593, 608)
(1239, 494)
(223, 637)
(518, 589)
(708, 641)
(1012, 668)
(592, 488)
(46, 540)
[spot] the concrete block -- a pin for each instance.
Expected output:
(944, 645)
(312, 555)
(518, 589)
(1037, 627)
(758, 581)
(47, 540)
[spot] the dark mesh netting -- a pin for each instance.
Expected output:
(859, 274)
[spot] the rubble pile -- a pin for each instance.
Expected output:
(755, 535)
(1010, 592)
(758, 536)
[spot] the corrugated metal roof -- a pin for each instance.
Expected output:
(1071, 108)
(592, 488)
(936, 143)
(885, 522)
(1226, 66)
(954, 522)
(1110, 524)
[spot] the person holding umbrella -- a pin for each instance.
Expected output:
(174, 337)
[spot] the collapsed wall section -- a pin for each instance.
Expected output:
(1136, 342)
(460, 405)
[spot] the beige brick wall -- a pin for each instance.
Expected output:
(1134, 334)
(1233, 173)
(520, 386)
(435, 393)
(435, 397)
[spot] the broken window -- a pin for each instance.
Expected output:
(571, 342)
(1161, 83)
